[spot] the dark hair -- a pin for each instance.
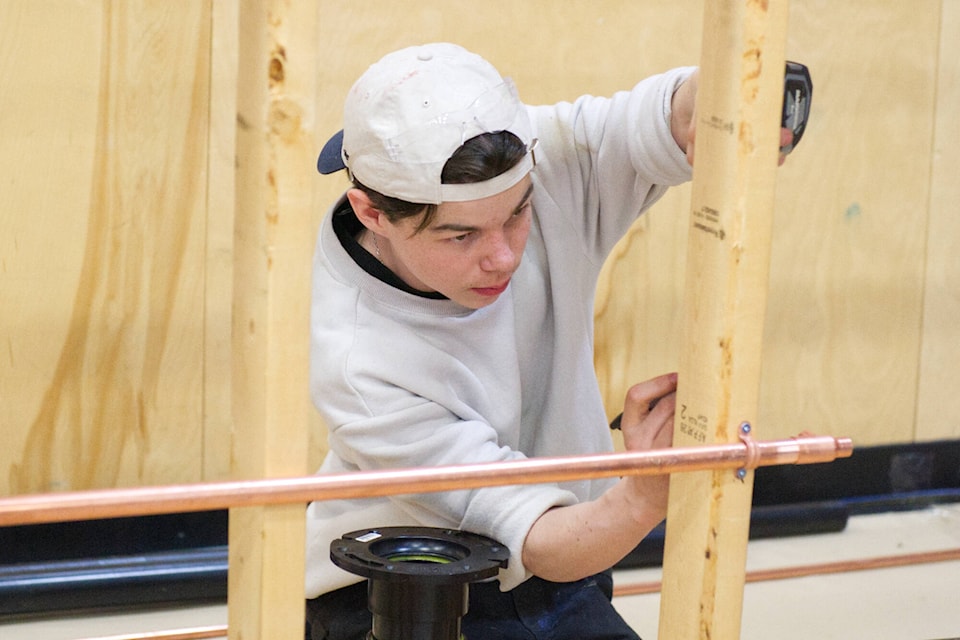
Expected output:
(480, 158)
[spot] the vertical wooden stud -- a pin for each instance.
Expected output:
(737, 139)
(273, 243)
(221, 215)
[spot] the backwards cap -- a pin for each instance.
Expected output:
(410, 111)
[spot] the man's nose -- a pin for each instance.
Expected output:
(498, 255)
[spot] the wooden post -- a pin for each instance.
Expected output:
(737, 139)
(272, 254)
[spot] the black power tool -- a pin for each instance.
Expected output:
(797, 91)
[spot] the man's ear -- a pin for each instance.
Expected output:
(368, 215)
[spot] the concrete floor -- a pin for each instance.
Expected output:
(919, 602)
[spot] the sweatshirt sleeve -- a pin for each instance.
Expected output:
(609, 159)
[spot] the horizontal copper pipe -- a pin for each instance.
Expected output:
(843, 566)
(197, 633)
(642, 588)
(115, 503)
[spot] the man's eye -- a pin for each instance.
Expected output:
(522, 211)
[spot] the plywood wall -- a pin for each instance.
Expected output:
(851, 267)
(844, 330)
(104, 129)
(117, 131)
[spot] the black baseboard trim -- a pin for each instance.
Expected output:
(114, 583)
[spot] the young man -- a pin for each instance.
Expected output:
(452, 323)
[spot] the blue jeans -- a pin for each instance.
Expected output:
(536, 610)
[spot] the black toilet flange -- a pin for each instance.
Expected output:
(418, 577)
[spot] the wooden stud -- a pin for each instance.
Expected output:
(218, 267)
(273, 244)
(737, 139)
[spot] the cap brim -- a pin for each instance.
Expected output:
(331, 158)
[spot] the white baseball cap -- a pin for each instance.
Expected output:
(410, 111)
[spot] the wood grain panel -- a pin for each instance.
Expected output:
(42, 219)
(638, 308)
(847, 270)
(938, 406)
(107, 346)
(219, 251)
(843, 326)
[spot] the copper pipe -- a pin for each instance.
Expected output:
(843, 566)
(114, 503)
(177, 634)
(642, 588)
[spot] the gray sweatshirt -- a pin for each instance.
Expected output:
(405, 381)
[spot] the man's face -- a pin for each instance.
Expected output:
(469, 251)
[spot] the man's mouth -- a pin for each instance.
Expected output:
(492, 291)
